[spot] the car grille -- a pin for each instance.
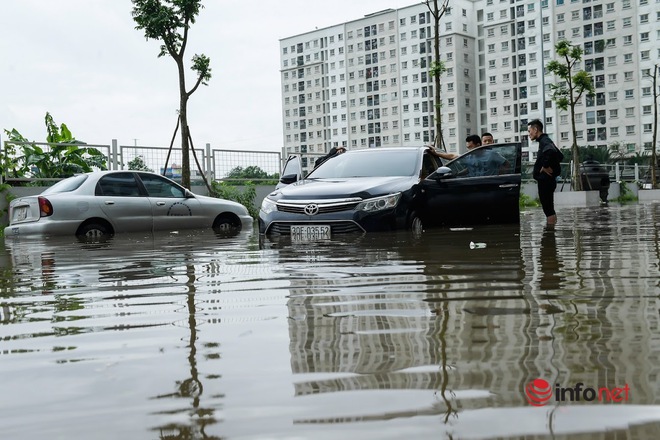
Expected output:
(284, 228)
(323, 208)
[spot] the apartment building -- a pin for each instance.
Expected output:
(366, 83)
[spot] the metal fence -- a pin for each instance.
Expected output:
(618, 172)
(215, 163)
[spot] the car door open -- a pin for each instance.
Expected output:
(481, 186)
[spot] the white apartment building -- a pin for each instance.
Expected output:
(366, 83)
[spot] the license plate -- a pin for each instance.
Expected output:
(310, 233)
(21, 213)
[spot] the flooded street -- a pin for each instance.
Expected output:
(192, 336)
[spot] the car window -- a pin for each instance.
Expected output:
(158, 186)
(370, 163)
(118, 184)
(429, 165)
(67, 185)
(292, 167)
(486, 161)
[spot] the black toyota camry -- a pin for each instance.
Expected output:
(395, 188)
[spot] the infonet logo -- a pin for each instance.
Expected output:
(539, 392)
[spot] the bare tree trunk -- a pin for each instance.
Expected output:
(575, 172)
(185, 130)
(576, 181)
(439, 139)
(437, 69)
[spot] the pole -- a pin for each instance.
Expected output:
(542, 67)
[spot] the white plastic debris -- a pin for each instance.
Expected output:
(474, 245)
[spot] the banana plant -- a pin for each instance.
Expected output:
(65, 156)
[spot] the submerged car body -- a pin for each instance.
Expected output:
(108, 202)
(396, 188)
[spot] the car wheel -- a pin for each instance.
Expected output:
(93, 230)
(415, 223)
(227, 225)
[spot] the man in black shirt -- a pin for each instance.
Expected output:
(546, 168)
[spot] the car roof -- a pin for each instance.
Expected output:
(100, 173)
(376, 149)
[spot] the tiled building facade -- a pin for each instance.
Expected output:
(366, 83)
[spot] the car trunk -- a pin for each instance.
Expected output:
(24, 210)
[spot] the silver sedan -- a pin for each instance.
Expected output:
(108, 202)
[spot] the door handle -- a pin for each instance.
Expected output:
(160, 203)
(109, 202)
(508, 185)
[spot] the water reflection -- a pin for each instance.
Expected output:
(551, 268)
(377, 336)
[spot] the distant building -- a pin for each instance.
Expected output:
(366, 83)
(173, 172)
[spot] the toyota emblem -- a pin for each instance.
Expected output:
(312, 209)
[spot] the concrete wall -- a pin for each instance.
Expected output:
(530, 189)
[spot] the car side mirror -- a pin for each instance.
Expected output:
(288, 178)
(442, 173)
(188, 194)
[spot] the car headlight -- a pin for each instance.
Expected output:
(268, 206)
(379, 203)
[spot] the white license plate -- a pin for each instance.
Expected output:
(21, 213)
(310, 233)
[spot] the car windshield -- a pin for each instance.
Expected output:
(370, 163)
(67, 185)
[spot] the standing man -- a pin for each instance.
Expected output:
(546, 169)
(487, 139)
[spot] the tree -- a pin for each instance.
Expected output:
(251, 172)
(568, 93)
(64, 156)
(437, 67)
(137, 164)
(169, 21)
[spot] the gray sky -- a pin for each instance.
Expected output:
(84, 62)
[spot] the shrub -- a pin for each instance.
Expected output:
(528, 202)
(245, 195)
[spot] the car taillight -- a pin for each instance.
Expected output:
(45, 208)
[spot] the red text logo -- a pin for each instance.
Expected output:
(539, 392)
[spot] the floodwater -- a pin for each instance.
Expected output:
(192, 336)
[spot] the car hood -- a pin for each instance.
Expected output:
(332, 188)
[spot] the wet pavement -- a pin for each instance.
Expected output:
(191, 336)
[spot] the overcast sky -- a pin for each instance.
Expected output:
(85, 63)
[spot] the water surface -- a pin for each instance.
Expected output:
(192, 335)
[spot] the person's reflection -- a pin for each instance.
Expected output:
(551, 268)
